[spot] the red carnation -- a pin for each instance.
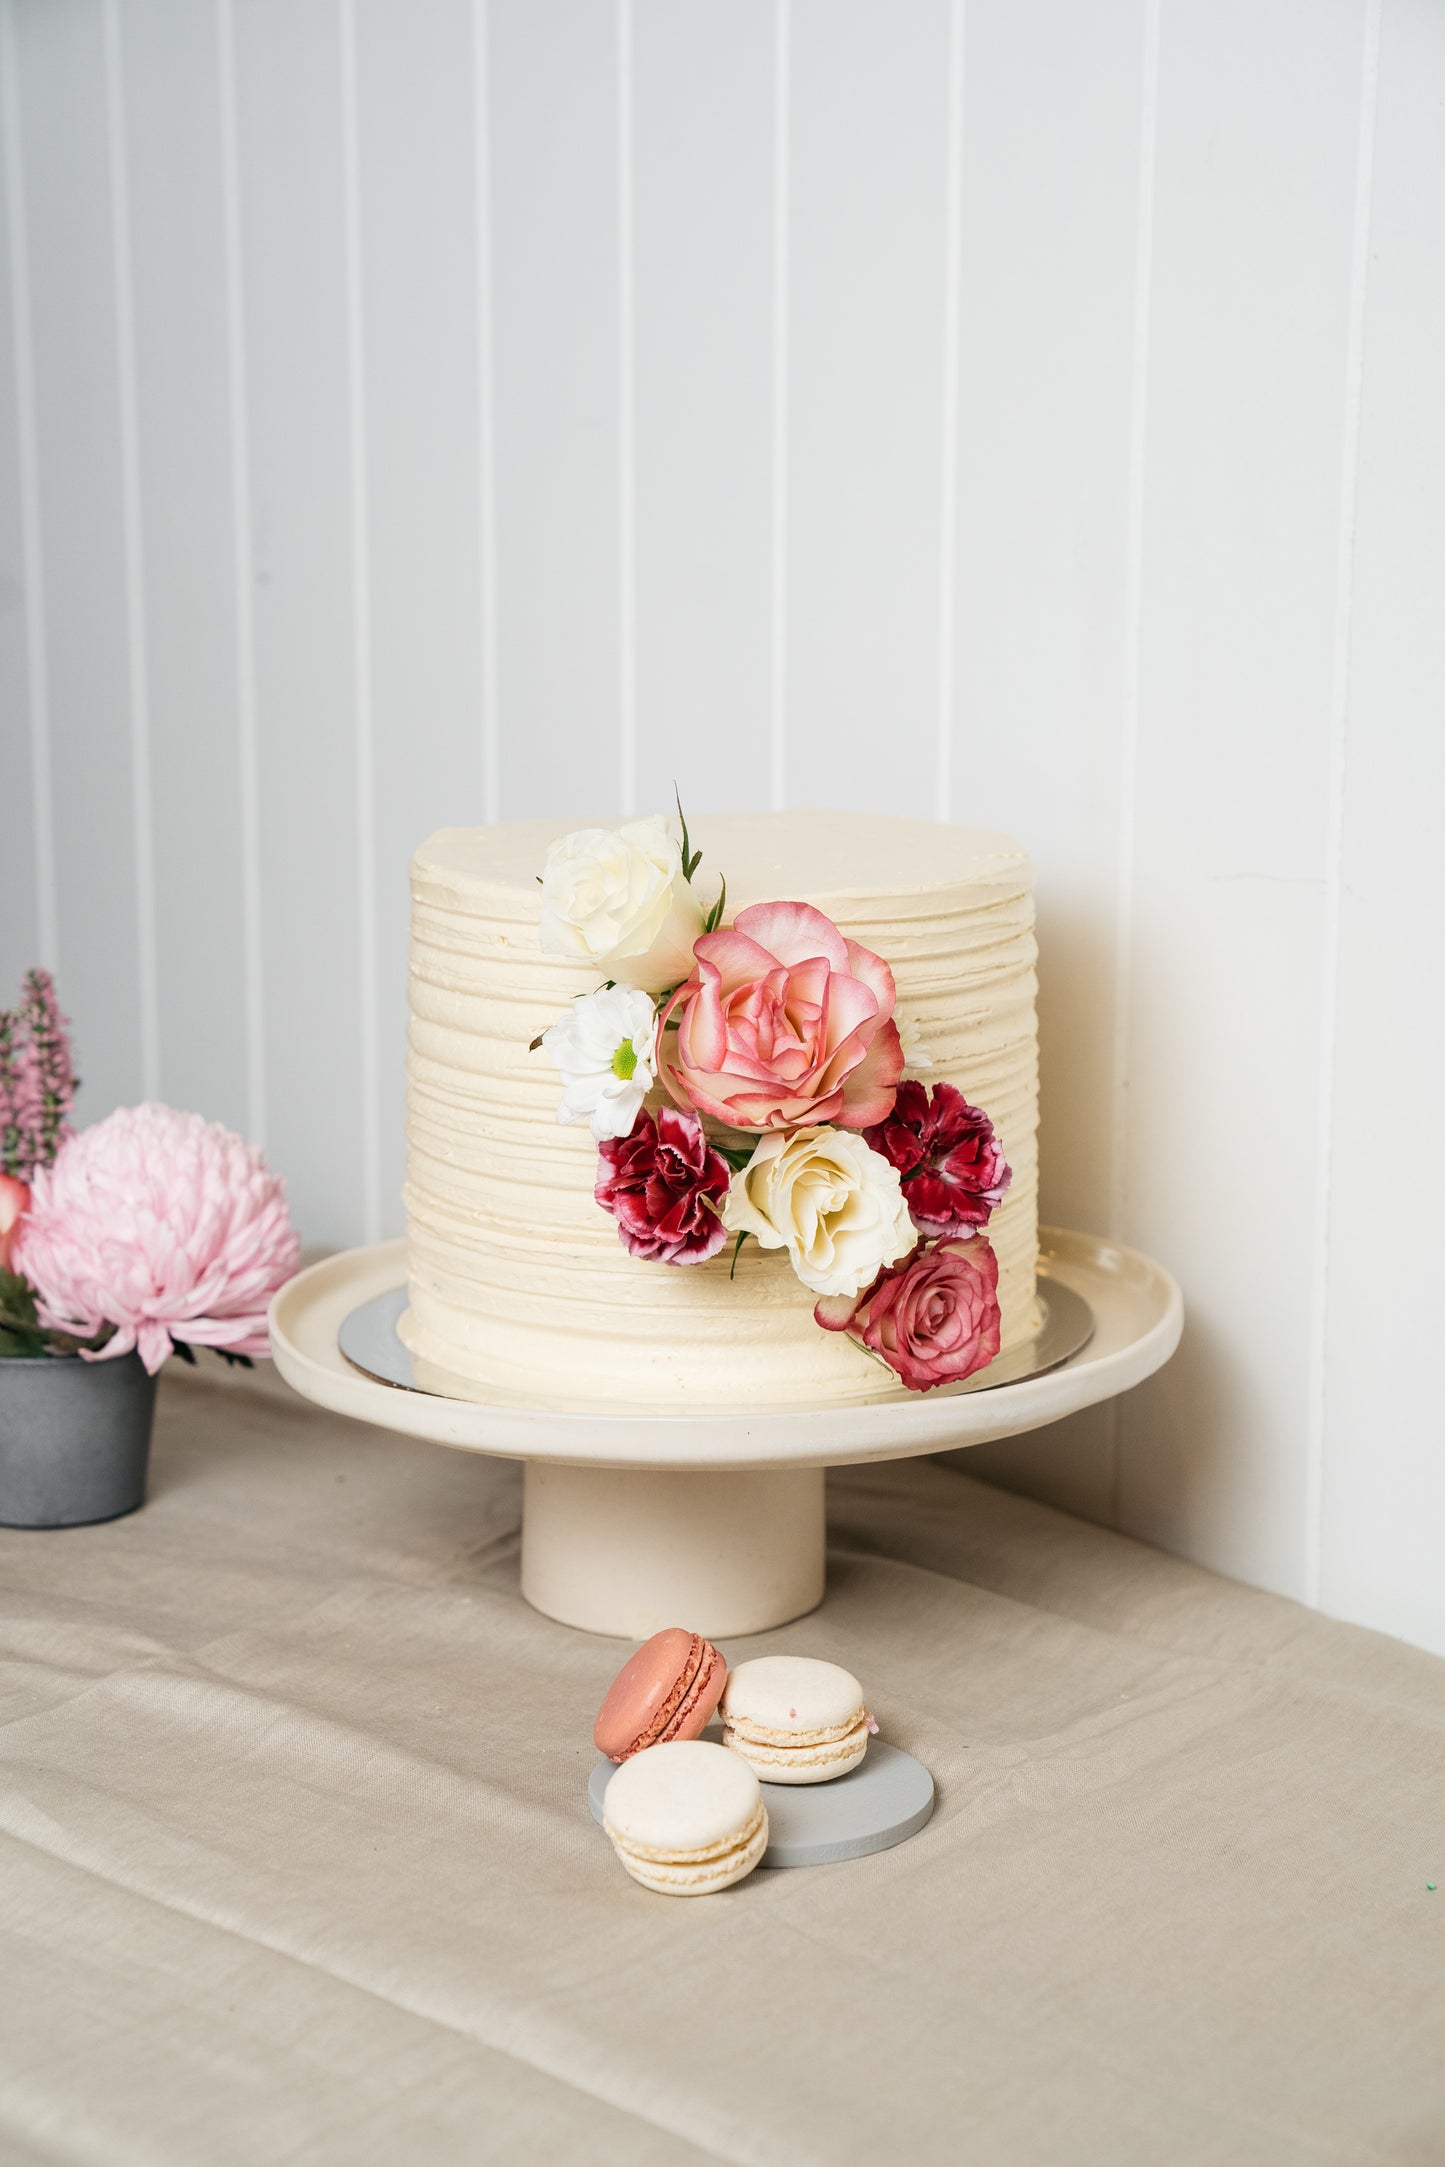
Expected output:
(934, 1318)
(660, 1185)
(951, 1163)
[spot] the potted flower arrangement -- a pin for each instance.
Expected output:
(150, 1233)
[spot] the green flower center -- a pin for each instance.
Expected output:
(624, 1061)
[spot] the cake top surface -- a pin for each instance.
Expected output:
(814, 854)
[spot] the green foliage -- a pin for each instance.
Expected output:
(229, 1356)
(713, 919)
(21, 1332)
(691, 859)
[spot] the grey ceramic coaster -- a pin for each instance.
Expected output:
(885, 1800)
(368, 1339)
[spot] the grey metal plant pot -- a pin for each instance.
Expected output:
(75, 1439)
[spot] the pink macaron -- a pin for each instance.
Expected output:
(668, 1690)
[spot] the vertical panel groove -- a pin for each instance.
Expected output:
(948, 432)
(782, 42)
(1335, 834)
(1133, 603)
(486, 407)
(148, 972)
(1133, 647)
(247, 759)
(626, 460)
(36, 663)
(361, 634)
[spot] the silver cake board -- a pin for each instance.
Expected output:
(886, 1799)
(369, 1339)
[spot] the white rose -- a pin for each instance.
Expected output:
(618, 896)
(910, 1035)
(606, 1048)
(836, 1206)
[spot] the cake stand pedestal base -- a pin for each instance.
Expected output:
(628, 1551)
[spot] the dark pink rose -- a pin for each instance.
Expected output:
(934, 1318)
(660, 1184)
(784, 1021)
(14, 1200)
(952, 1165)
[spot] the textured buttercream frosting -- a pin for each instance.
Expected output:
(518, 1281)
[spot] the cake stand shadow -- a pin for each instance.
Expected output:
(634, 1518)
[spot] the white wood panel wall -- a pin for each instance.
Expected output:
(430, 410)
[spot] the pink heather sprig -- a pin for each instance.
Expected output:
(37, 1080)
(10, 1129)
(54, 1073)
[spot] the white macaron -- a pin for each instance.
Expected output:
(795, 1719)
(686, 1818)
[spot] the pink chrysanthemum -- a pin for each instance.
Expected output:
(165, 1225)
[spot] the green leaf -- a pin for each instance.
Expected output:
(229, 1356)
(21, 1332)
(713, 919)
(17, 1299)
(737, 1245)
(691, 859)
(736, 1159)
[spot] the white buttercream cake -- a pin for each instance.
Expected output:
(519, 1284)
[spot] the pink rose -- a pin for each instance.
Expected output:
(660, 1184)
(14, 1198)
(784, 1022)
(934, 1318)
(952, 1164)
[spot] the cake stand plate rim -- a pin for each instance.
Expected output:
(1138, 1317)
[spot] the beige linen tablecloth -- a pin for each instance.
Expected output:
(297, 1864)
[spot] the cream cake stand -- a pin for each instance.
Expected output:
(632, 1520)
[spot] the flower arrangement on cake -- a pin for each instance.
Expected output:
(749, 1080)
(152, 1231)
